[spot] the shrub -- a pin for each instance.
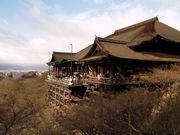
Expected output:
(125, 113)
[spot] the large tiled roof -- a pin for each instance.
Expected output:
(145, 31)
(121, 50)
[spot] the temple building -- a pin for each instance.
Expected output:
(113, 60)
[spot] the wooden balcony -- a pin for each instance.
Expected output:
(67, 81)
(105, 80)
(60, 89)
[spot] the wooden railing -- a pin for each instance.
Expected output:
(65, 80)
(106, 80)
(94, 80)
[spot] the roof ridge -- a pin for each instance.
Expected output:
(63, 52)
(110, 40)
(97, 41)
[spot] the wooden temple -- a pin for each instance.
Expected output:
(112, 61)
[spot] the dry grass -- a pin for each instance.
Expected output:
(161, 75)
(35, 86)
(26, 100)
(172, 74)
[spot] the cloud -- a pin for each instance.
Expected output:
(98, 1)
(35, 6)
(3, 24)
(175, 4)
(12, 39)
(54, 31)
(16, 49)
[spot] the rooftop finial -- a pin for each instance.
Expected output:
(157, 18)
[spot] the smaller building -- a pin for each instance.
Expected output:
(17, 75)
(65, 74)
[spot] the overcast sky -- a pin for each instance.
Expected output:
(29, 29)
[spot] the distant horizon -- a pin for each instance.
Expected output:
(11, 71)
(4, 67)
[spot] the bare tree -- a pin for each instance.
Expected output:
(14, 116)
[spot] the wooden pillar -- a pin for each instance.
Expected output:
(64, 94)
(56, 71)
(101, 69)
(111, 71)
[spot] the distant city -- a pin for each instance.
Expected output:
(16, 68)
(17, 71)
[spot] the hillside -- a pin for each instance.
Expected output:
(139, 111)
(23, 99)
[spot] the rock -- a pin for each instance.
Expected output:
(77, 132)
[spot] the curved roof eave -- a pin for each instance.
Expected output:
(167, 32)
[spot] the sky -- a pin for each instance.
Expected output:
(30, 29)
